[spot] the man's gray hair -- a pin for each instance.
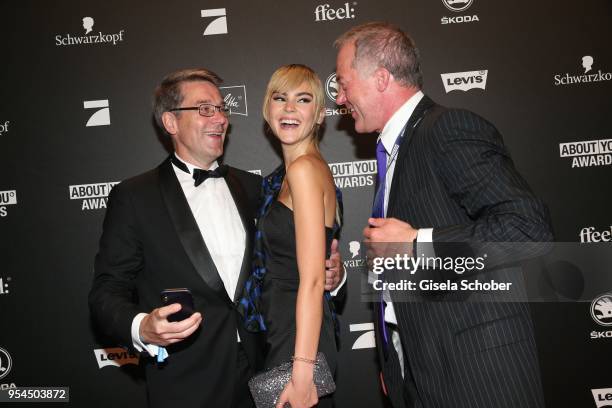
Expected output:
(380, 44)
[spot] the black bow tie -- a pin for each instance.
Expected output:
(200, 175)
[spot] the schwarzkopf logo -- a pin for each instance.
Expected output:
(602, 397)
(235, 99)
(102, 116)
(601, 309)
(88, 23)
(218, 25)
(457, 5)
(114, 356)
(4, 127)
(5, 363)
(324, 12)
(354, 247)
(464, 81)
(100, 38)
(356, 261)
(587, 63)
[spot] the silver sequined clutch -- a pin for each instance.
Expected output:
(266, 387)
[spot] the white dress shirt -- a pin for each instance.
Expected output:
(221, 227)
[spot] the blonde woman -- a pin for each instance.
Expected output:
(295, 229)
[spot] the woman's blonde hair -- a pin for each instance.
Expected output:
(289, 77)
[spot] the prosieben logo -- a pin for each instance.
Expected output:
(219, 24)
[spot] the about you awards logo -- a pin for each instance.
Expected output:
(92, 196)
(7, 198)
(354, 174)
(587, 153)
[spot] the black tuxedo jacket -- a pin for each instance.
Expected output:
(151, 242)
(453, 174)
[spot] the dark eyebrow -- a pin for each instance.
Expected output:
(201, 101)
(299, 94)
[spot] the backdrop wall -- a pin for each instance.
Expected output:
(75, 118)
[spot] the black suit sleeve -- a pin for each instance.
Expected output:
(476, 170)
(117, 264)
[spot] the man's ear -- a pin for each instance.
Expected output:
(382, 78)
(170, 122)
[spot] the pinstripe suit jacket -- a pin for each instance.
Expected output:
(453, 174)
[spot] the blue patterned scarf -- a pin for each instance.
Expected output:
(249, 306)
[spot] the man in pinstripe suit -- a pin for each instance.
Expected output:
(447, 178)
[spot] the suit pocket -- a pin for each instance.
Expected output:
(493, 334)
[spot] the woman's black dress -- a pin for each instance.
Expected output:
(279, 292)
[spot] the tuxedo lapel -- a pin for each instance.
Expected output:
(187, 229)
(417, 116)
(246, 215)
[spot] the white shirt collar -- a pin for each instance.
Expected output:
(190, 166)
(394, 126)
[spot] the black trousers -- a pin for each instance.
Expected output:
(242, 395)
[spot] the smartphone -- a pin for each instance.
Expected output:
(182, 296)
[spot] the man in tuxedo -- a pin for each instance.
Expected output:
(444, 177)
(188, 223)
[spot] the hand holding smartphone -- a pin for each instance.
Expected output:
(183, 297)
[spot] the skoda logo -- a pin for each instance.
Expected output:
(5, 363)
(457, 5)
(601, 309)
(331, 87)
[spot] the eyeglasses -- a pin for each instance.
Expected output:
(206, 109)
